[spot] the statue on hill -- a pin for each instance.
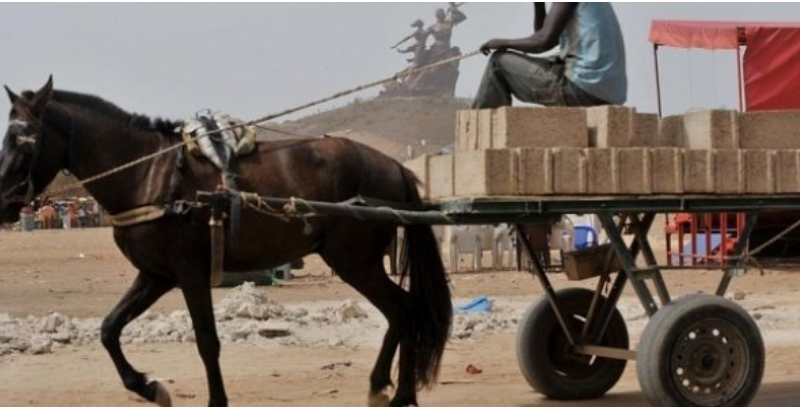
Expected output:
(439, 81)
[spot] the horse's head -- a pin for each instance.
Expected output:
(27, 165)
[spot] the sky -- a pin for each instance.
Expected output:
(253, 59)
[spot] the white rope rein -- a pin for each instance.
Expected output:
(257, 122)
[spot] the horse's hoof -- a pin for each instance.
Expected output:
(162, 394)
(378, 400)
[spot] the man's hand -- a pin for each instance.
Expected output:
(493, 44)
(542, 40)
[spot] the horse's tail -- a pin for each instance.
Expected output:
(433, 310)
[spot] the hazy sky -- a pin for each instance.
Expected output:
(254, 59)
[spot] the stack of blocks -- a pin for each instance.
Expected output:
(615, 151)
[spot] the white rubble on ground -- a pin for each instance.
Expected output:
(246, 315)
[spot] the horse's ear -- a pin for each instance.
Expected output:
(43, 96)
(11, 96)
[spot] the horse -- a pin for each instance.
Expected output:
(52, 130)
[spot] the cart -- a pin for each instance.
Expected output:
(701, 350)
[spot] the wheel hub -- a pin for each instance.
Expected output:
(709, 362)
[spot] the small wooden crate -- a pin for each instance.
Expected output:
(589, 263)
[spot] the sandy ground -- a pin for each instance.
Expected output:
(80, 274)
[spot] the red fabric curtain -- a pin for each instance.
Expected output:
(772, 68)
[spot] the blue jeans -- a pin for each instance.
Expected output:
(531, 80)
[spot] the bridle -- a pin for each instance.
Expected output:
(29, 144)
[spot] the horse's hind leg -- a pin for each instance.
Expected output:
(145, 291)
(394, 303)
(197, 294)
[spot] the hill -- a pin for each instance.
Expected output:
(387, 124)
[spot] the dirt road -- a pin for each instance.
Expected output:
(79, 273)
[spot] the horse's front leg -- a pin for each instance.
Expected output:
(145, 291)
(197, 294)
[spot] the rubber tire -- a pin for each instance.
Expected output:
(665, 328)
(540, 339)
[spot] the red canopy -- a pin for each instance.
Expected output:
(712, 35)
(771, 74)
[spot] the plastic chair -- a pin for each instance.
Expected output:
(585, 237)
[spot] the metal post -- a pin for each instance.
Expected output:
(548, 288)
(681, 240)
(693, 237)
(739, 73)
(658, 80)
(737, 262)
(641, 228)
(723, 229)
(628, 262)
(708, 223)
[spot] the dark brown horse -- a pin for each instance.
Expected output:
(51, 130)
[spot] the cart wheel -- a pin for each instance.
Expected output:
(546, 358)
(700, 350)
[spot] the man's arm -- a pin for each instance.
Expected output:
(539, 14)
(456, 15)
(409, 37)
(544, 39)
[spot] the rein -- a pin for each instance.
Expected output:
(255, 122)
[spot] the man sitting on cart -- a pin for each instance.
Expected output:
(588, 71)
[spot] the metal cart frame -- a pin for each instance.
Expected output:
(700, 350)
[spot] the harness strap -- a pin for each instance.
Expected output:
(362, 159)
(139, 215)
(31, 192)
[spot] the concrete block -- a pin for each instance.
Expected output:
(419, 166)
(602, 171)
(466, 130)
(698, 171)
(485, 128)
(671, 131)
(539, 127)
(769, 130)
(610, 126)
(440, 177)
(570, 169)
(760, 172)
(711, 129)
(535, 172)
(667, 169)
(787, 172)
(493, 172)
(646, 132)
(729, 170)
(635, 171)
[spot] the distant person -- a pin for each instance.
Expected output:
(82, 217)
(588, 71)
(27, 218)
(48, 215)
(72, 215)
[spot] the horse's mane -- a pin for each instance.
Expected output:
(113, 111)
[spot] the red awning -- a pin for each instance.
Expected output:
(712, 35)
(771, 61)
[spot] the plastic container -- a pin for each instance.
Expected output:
(562, 235)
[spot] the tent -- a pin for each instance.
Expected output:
(769, 78)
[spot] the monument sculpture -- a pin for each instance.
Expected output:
(439, 81)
